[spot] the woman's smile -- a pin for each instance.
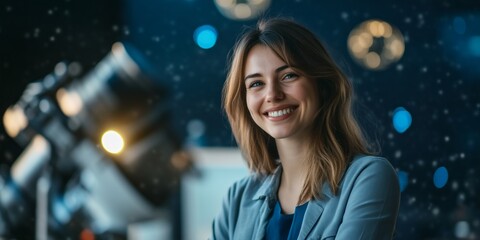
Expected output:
(279, 114)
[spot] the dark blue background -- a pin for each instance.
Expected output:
(437, 80)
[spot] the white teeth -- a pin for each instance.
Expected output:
(279, 112)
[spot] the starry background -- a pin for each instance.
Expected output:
(437, 80)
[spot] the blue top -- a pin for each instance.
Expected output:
(285, 226)
(365, 206)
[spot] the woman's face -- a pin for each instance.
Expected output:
(281, 101)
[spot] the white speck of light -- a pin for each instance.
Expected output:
(195, 128)
(435, 211)
(44, 106)
(454, 185)
(420, 162)
(462, 229)
(399, 67)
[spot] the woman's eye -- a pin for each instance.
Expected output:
(255, 84)
(290, 76)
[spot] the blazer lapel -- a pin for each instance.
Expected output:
(263, 220)
(266, 193)
(312, 215)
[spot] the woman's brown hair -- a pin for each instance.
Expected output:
(336, 137)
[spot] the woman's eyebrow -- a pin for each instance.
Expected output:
(281, 68)
(254, 75)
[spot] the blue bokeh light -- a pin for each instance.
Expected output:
(401, 119)
(205, 36)
(403, 180)
(440, 177)
(459, 35)
(474, 46)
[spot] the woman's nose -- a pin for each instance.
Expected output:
(274, 93)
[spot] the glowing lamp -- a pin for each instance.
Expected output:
(112, 142)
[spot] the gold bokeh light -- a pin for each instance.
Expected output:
(376, 44)
(70, 102)
(241, 10)
(14, 121)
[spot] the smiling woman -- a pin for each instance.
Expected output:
(280, 101)
(289, 106)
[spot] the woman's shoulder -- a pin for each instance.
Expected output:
(362, 162)
(363, 166)
(371, 176)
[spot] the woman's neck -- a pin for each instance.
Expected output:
(292, 155)
(293, 158)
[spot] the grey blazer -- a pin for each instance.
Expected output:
(365, 207)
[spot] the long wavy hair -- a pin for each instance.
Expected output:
(336, 137)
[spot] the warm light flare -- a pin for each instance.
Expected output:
(14, 121)
(70, 102)
(112, 142)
